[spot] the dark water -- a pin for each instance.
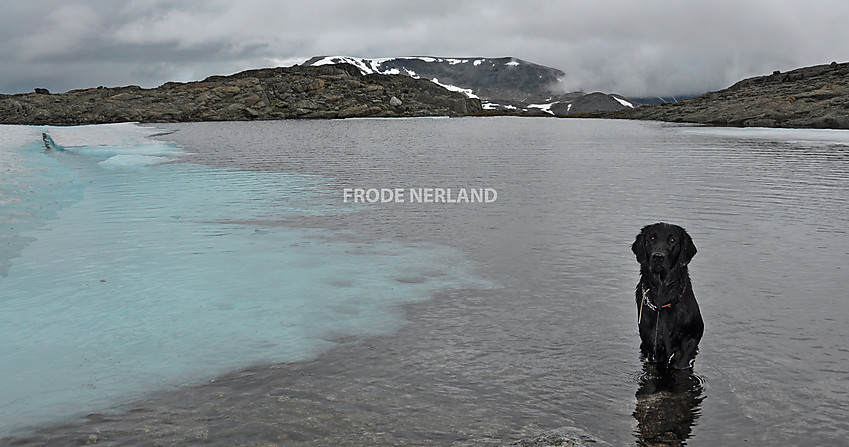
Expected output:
(554, 343)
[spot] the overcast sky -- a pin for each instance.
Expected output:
(636, 48)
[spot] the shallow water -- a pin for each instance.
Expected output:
(143, 275)
(518, 315)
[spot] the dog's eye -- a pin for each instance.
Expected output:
(651, 238)
(671, 240)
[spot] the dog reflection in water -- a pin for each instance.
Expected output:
(668, 406)
(670, 325)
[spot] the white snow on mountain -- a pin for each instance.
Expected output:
(372, 66)
(382, 66)
(543, 107)
(622, 101)
(454, 88)
(366, 66)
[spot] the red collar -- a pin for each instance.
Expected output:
(653, 306)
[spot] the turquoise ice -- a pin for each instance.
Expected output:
(123, 271)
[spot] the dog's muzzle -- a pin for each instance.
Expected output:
(657, 262)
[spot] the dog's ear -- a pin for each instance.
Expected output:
(688, 250)
(639, 249)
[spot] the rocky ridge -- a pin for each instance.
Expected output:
(810, 97)
(333, 91)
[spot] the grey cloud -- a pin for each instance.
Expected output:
(634, 48)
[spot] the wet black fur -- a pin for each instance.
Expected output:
(670, 335)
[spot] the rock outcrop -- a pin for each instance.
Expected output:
(337, 91)
(811, 97)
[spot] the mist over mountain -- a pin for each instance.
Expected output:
(502, 84)
(807, 97)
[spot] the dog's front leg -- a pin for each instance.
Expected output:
(685, 356)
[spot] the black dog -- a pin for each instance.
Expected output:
(669, 318)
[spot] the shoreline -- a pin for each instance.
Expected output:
(815, 97)
(609, 116)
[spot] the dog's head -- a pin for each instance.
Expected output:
(662, 247)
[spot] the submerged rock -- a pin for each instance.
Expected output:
(564, 436)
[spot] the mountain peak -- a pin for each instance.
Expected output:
(502, 83)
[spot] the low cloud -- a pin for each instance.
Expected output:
(650, 48)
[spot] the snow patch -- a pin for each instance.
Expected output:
(622, 101)
(366, 66)
(512, 63)
(466, 91)
(543, 107)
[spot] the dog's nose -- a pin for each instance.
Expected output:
(658, 257)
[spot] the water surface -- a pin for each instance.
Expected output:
(517, 316)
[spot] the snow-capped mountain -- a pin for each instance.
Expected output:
(505, 83)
